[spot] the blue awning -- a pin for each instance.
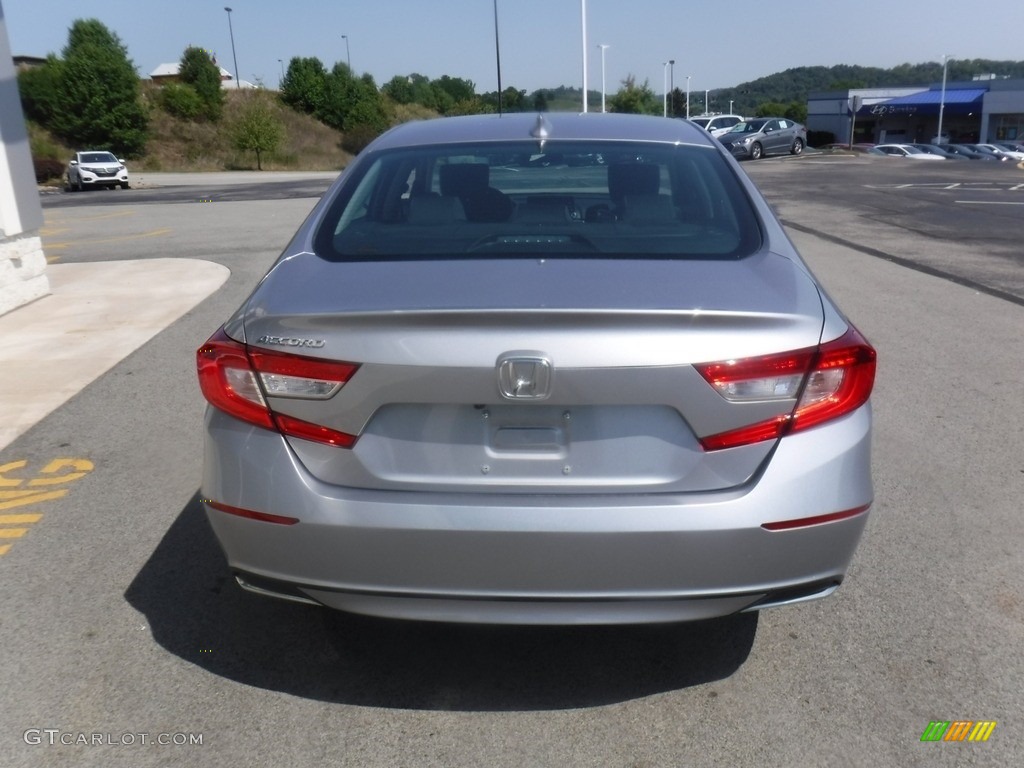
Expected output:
(956, 101)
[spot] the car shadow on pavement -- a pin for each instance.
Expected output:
(197, 612)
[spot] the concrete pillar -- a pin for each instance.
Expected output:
(22, 262)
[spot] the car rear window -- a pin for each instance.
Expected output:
(593, 199)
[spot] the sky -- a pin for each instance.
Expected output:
(714, 44)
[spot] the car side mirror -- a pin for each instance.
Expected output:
(120, 160)
(74, 162)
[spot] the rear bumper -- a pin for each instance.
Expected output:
(535, 559)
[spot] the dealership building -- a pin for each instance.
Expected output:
(981, 110)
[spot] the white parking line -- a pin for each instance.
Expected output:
(986, 202)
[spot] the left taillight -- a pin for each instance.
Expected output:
(827, 382)
(236, 379)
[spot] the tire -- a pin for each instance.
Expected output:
(756, 151)
(797, 148)
(78, 184)
(124, 185)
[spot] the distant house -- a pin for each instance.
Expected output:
(169, 73)
(27, 62)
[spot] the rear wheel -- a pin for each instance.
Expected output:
(797, 148)
(756, 151)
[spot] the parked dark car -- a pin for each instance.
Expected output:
(937, 149)
(965, 151)
(995, 152)
(765, 136)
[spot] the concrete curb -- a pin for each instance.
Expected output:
(96, 315)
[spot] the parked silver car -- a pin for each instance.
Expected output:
(96, 169)
(762, 136)
(492, 379)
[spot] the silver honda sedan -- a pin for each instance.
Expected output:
(527, 369)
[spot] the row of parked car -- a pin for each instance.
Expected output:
(755, 137)
(1001, 151)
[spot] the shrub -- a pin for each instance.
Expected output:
(181, 101)
(47, 169)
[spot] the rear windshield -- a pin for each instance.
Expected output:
(614, 200)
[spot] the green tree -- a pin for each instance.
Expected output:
(257, 128)
(635, 99)
(39, 88)
(351, 102)
(198, 71)
(304, 87)
(181, 101)
(98, 98)
(399, 89)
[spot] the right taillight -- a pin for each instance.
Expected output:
(828, 382)
(234, 378)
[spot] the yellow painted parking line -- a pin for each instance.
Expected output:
(142, 235)
(33, 491)
(97, 217)
(10, 467)
(29, 497)
(81, 466)
(16, 519)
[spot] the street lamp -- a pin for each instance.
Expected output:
(348, 53)
(233, 56)
(603, 49)
(497, 54)
(688, 97)
(672, 83)
(707, 106)
(942, 99)
(664, 87)
(281, 62)
(583, 17)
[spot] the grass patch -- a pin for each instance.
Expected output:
(182, 145)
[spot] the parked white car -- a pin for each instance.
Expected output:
(95, 168)
(907, 150)
(717, 125)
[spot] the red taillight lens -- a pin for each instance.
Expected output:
(831, 381)
(235, 378)
(228, 381)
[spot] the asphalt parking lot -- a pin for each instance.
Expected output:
(121, 620)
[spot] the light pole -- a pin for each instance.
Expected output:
(707, 106)
(497, 54)
(603, 49)
(942, 99)
(688, 97)
(348, 54)
(281, 62)
(234, 58)
(672, 83)
(730, 106)
(664, 88)
(583, 17)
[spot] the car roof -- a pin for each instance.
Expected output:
(557, 126)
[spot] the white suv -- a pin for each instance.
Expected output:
(96, 169)
(716, 125)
